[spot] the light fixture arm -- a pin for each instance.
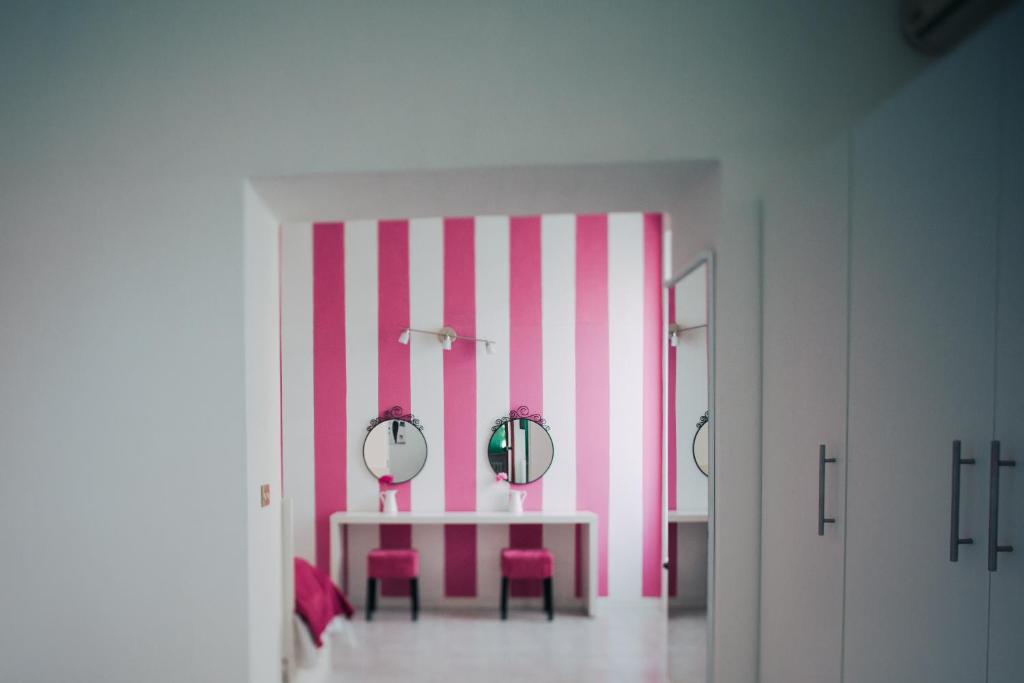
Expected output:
(674, 328)
(448, 333)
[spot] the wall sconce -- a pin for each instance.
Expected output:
(674, 330)
(447, 336)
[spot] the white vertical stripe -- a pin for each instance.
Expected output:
(297, 381)
(492, 322)
(360, 356)
(492, 387)
(426, 311)
(560, 539)
(625, 347)
(558, 287)
(429, 539)
(490, 539)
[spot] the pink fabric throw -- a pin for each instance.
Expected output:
(317, 599)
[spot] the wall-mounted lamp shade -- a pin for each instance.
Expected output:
(404, 337)
(673, 339)
(489, 347)
(446, 343)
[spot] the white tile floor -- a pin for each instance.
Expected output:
(621, 645)
(687, 651)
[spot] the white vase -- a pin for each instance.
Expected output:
(515, 501)
(389, 502)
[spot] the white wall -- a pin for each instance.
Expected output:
(125, 134)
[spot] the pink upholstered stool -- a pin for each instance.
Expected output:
(527, 563)
(392, 564)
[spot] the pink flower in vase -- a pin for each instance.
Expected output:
(387, 480)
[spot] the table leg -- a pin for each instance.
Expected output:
(338, 559)
(592, 568)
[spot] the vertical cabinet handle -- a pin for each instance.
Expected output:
(993, 508)
(954, 518)
(822, 519)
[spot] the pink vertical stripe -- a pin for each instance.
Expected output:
(329, 419)
(673, 455)
(526, 365)
(460, 561)
(460, 448)
(652, 392)
(394, 383)
(526, 353)
(592, 387)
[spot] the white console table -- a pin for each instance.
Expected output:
(587, 520)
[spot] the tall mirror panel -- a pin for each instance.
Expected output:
(689, 425)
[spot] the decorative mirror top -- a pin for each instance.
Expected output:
(395, 413)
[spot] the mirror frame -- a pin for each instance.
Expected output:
(521, 413)
(701, 424)
(395, 413)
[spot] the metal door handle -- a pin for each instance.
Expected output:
(954, 518)
(822, 519)
(993, 507)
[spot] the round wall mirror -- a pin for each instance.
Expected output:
(520, 448)
(700, 444)
(396, 448)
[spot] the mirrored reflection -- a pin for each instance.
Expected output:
(689, 431)
(395, 448)
(521, 449)
(700, 444)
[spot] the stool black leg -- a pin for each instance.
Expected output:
(371, 598)
(504, 598)
(549, 606)
(414, 593)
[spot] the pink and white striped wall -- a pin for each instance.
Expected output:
(574, 303)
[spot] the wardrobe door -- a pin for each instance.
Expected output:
(922, 318)
(1006, 631)
(804, 399)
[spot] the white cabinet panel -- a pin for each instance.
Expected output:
(922, 318)
(805, 295)
(1006, 654)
